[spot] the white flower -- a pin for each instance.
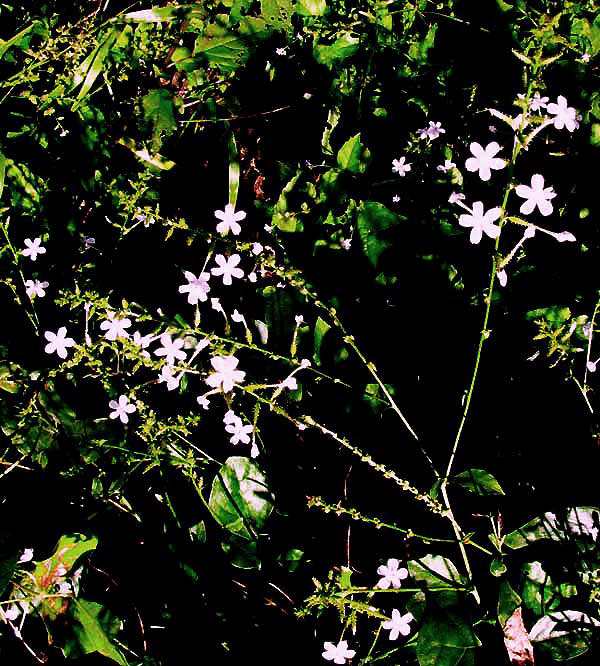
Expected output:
(115, 328)
(58, 342)
(299, 319)
(400, 166)
(203, 402)
(502, 279)
(399, 624)
(564, 236)
(237, 317)
(455, 196)
(197, 288)
(280, 51)
(229, 220)
(392, 575)
(446, 166)
(171, 349)
(252, 276)
(538, 102)
(422, 133)
(396, 198)
(142, 341)
(591, 366)
(346, 243)
(536, 195)
(289, 383)
(35, 288)
(305, 363)
(481, 222)
(11, 613)
(585, 57)
(167, 375)
(215, 304)
(484, 160)
(257, 248)
(434, 130)
(227, 268)
(34, 247)
(564, 115)
(338, 653)
(225, 375)
(64, 588)
(235, 427)
(121, 410)
(26, 556)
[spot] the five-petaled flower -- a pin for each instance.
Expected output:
(35, 288)
(338, 653)
(197, 288)
(392, 575)
(34, 247)
(481, 222)
(171, 349)
(167, 374)
(229, 220)
(399, 624)
(400, 166)
(122, 409)
(536, 195)
(434, 130)
(225, 374)
(26, 556)
(538, 102)
(446, 166)
(114, 327)
(142, 341)
(228, 268)
(58, 342)
(236, 428)
(484, 159)
(564, 115)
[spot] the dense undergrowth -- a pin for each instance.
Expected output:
(298, 355)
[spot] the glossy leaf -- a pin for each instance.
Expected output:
(96, 65)
(443, 638)
(159, 111)
(332, 54)
(373, 220)
(353, 156)
(566, 634)
(478, 482)
(93, 626)
(542, 527)
(321, 328)
(508, 601)
(240, 500)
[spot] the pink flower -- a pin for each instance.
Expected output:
(484, 160)
(229, 220)
(481, 222)
(228, 268)
(536, 195)
(225, 375)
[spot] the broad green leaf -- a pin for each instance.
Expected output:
(373, 220)
(539, 592)
(162, 14)
(443, 638)
(566, 634)
(278, 14)
(159, 111)
(321, 328)
(555, 315)
(311, 7)
(240, 500)
(96, 65)
(93, 626)
(353, 156)
(479, 482)
(498, 567)
(542, 527)
(436, 572)
(420, 50)
(282, 218)
(508, 601)
(331, 54)
(224, 49)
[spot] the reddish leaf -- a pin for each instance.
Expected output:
(516, 640)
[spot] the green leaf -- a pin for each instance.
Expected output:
(436, 572)
(234, 166)
(69, 549)
(92, 626)
(2, 172)
(555, 315)
(159, 111)
(332, 54)
(282, 218)
(478, 482)
(154, 161)
(311, 7)
(224, 49)
(497, 567)
(542, 527)
(5, 45)
(373, 219)
(278, 14)
(566, 634)
(240, 500)
(163, 14)
(96, 65)
(353, 156)
(539, 592)
(420, 50)
(508, 601)
(443, 638)
(321, 328)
